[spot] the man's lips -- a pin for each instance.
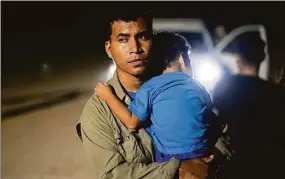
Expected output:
(137, 61)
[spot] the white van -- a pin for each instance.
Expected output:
(209, 61)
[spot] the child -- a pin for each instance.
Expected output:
(177, 105)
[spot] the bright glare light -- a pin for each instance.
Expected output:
(111, 70)
(208, 73)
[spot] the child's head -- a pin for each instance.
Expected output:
(171, 51)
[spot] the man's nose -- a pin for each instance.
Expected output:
(135, 46)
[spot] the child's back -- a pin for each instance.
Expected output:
(177, 106)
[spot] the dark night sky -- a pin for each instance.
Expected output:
(57, 31)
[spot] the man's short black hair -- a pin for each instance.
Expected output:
(168, 46)
(250, 47)
(131, 13)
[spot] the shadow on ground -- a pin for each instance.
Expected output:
(23, 104)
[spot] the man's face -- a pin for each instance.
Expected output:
(129, 46)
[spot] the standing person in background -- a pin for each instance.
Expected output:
(254, 110)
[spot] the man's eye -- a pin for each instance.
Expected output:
(123, 40)
(142, 37)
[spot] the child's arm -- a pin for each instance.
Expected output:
(104, 91)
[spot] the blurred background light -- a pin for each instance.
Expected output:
(111, 69)
(208, 72)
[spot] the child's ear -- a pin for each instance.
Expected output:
(181, 60)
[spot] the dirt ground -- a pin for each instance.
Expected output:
(42, 144)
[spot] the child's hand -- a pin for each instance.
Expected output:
(103, 91)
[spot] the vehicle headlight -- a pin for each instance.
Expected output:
(208, 72)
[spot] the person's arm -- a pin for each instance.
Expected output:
(104, 91)
(122, 112)
(97, 135)
(139, 107)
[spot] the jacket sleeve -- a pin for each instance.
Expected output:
(95, 131)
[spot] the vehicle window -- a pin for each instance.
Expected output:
(196, 40)
(233, 44)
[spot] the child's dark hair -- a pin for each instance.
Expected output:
(168, 46)
(131, 14)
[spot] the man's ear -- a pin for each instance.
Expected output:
(240, 63)
(108, 48)
(239, 60)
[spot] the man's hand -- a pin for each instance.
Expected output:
(103, 91)
(193, 169)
